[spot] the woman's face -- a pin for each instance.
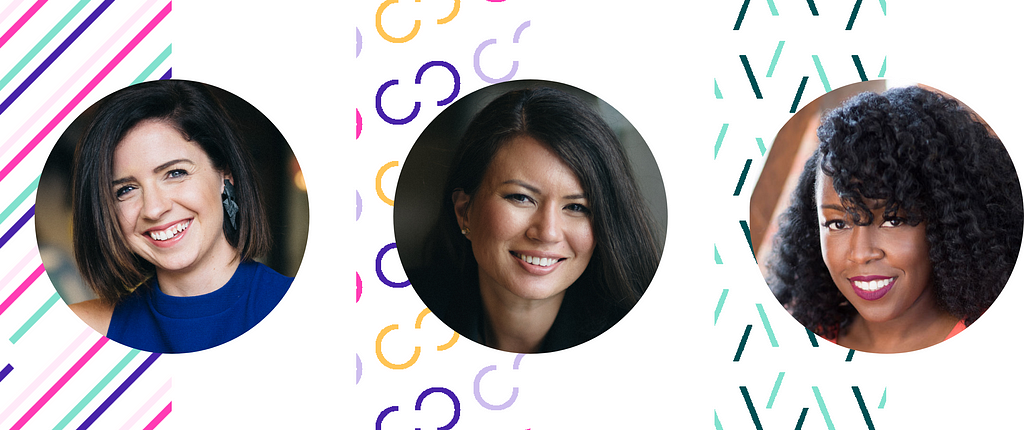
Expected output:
(168, 198)
(883, 268)
(529, 223)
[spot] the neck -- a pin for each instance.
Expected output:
(924, 324)
(205, 277)
(515, 324)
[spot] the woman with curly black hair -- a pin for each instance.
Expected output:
(904, 227)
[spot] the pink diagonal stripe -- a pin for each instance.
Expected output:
(158, 418)
(60, 383)
(17, 267)
(21, 289)
(46, 373)
(85, 91)
(146, 407)
(10, 8)
(76, 76)
(21, 21)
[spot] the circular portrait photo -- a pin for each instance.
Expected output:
(530, 216)
(171, 216)
(887, 219)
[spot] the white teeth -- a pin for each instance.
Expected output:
(170, 232)
(872, 285)
(536, 261)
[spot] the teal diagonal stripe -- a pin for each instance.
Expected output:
(775, 390)
(824, 410)
(775, 58)
(42, 43)
(821, 73)
(721, 138)
(721, 303)
(153, 65)
(96, 390)
(767, 326)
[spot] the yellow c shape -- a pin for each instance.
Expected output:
(451, 16)
(380, 353)
(392, 39)
(380, 175)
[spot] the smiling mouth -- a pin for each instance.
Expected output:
(170, 232)
(874, 285)
(536, 261)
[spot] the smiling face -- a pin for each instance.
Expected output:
(168, 200)
(528, 222)
(882, 268)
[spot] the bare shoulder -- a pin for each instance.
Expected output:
(96, 313)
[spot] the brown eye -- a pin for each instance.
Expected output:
(835, 224)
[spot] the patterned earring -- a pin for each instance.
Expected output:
(228, 198)
(465, 231)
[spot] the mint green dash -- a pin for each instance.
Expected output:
(881, 405)
(35, 317)
(778, 383)
(152, 66)
(718, 258)
(21, 198)
(42, 43)
(721, 138)
(96, 390)
(721, 303)
(824, 411)
(881, 73)
(882, 2)
(767, 326)
(775, 59)
(718, 92)
(771, 5)
(821, 73)
(760, 145)
(718, 424)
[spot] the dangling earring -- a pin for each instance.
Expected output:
(227, 198)
(465, 231)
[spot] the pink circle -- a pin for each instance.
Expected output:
(359, 287)
(359, 122)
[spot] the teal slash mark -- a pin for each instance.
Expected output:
(882, 2)
(718, 92)
(718, 258)
(853, 15)
(152, 66)
(718, 424)
(799, 93)
(775, 390)
(821, 73)
(824, 411)
(743, 343)
(814, 9)
(760, 145)
(21, 198)
(721, 138)
(750, 407)
(767, 326)
(746, 232)
(96, 390)
(849, 356)
(863, 409)
(750, 77)
(743, 11)
(34, 318)
(721, 303)
(775, 58)
(42, 43)
(814, 339)
(881, 73)
(743, 177)
(881, 405)
(771, 5)
(860, 68)
(800, 422)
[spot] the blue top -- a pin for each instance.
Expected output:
(150, 320)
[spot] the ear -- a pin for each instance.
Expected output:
(461, 202)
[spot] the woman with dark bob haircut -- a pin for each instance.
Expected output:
(546, 240)
(904, 227)
(167, 219)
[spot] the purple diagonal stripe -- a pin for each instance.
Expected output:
(53, 56)
(17, 226)
(7, 370)
(166, 76)
(120, 390)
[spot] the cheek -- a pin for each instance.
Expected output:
(581, 238)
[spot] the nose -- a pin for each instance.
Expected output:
(546, 224)
(154, 203)
(864, 246)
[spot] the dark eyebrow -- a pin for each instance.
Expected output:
(157, 169)
(536, 190)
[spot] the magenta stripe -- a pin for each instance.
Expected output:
(158, 418)
(21, 21)
(84, 92)
(21, 289)
(60, 383)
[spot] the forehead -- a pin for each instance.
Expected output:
(151, 143)
(525, 158)
(825, 194)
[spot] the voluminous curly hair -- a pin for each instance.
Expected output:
(929, 156)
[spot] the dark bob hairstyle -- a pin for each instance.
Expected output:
(104, 258)
(927, 155)
(628, 244)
